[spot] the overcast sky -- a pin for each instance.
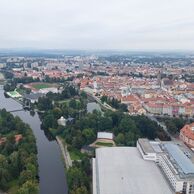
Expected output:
(97, 24)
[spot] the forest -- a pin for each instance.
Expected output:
(174, 125)
(18, 159)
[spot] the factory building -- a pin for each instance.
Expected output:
(122, 170)
(175, 164)
(151, 167)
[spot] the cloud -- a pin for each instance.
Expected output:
(97, 24)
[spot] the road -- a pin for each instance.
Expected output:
(65, 153)
(89, 92)
(153, 118)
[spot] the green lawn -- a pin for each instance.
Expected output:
(104, 144)
(14, 94)
(21, 91)
(76, 154)
(39, 86)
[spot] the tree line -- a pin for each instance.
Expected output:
(18, 160)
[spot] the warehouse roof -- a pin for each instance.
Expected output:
(184, 163)
(121, 170)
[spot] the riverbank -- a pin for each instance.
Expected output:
(52, 177)
(65, 153)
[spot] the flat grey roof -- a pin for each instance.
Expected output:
(183, 162)
(145, 145)
(121, 170)
(156, 146)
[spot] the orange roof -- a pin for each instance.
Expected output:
(18, 138)
(129, 98)
(187, 131)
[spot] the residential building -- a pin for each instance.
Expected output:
(187, 135)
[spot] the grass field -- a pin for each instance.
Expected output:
(39, 86)
(104, 144)
(14, 94)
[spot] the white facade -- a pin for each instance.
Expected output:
(170, 173)
(62, 121)
(177, 167)
(105, 135)
(167, 110)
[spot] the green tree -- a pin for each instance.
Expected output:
(88, 135)
(120, 139)
(29, 187)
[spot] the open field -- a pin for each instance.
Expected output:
(14, 94)
(40, 85)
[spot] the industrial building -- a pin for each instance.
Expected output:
(122, 170)
(178, 169)
(174, 163)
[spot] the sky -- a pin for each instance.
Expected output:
(97, 24)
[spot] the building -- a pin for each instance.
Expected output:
(62, 121)
(178, 169)
(175, 164)
(149, 150)
(187, 135)
(33, 97)
(122, 170)
(105, 135)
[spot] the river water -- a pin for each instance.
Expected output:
(51, 167)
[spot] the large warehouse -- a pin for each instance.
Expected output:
(122, 170)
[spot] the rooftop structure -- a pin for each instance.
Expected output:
(122, 170)
(148, 149)
(105, 135)
(62, 121)
(183, 163)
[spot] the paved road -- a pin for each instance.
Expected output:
(65, 153)
(106, 106)
(153, 118)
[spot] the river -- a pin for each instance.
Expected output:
(51, 167)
